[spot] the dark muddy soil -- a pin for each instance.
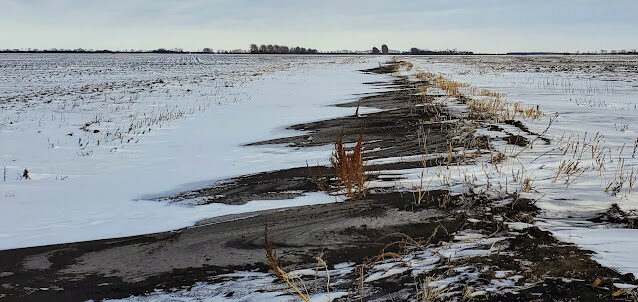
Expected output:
(548, 270)
(617, 216)
(392, 132)
(344, 231)
(288, 183)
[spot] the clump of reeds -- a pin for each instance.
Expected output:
(349, 168)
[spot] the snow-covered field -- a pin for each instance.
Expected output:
(100, 134)
(595, 127)
(596, 100)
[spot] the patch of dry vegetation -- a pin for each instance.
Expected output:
(582, 153)
(497, 109)
(397, 63)
(427, 292)
(491, 105)
(451, 87)
(294, 279)
(349, 168)
(569, 170)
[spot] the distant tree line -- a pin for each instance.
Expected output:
(81, 50)
(601, 52)
(611, 52)
(56, 50)
(416, 51)
(277, 49)
(163, 50)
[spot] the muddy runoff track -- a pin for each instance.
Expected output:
(348, 231)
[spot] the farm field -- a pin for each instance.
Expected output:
(102, 136)
(188, 177)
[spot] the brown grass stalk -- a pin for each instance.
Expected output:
(274, 265)
(349, 168)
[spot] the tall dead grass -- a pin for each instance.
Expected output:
(491, 104)
(498, 110)
(349, 168)
(451, 87)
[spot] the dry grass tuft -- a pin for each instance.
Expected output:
(451, 87)
(386, 255)
(485, 92)
(569, 170)
(498, 110)
(409, 240)
(349, 168)
(533, 113)
(497, 158)
(407, 65)
(274, 265)
(428, 293)
(526, 185)
(397, 63)
(425, 76)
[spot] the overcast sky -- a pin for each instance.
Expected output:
(477, 25)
